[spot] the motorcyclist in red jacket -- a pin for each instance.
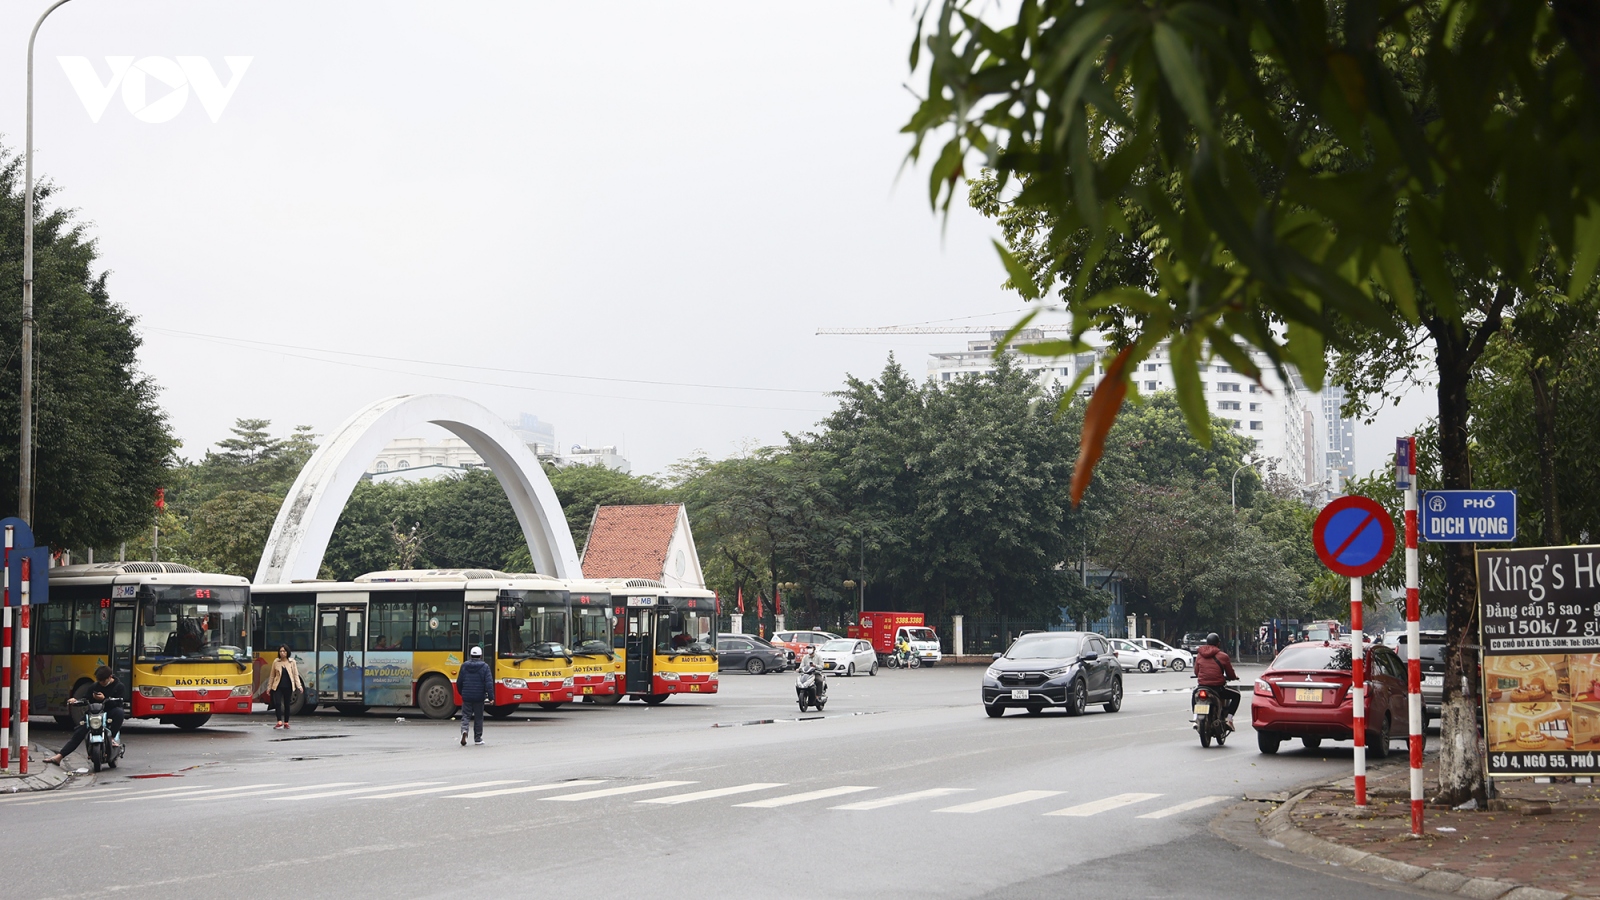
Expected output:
(1213, 669)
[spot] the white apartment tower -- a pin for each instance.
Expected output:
(1281, 417)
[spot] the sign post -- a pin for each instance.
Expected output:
(1405, 478)
(5, 661)
(1354, 537)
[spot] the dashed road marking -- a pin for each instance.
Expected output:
(613, 792)
(527, 789)
(440, 790)
(282, 790)
(167, 793)
(897, 799)
(1099, 806)
(715, 792)
(348, 791)
(978, 806)
(825, 793)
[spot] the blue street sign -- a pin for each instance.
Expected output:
(38, 565)
(1405, 462)
(1468, 516)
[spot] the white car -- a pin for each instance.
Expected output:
(1171, 657)
(846, 656)
(1132, 656)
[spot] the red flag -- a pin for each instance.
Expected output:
(761, 612)
(161, 498)
(741, 599)
(777, 602)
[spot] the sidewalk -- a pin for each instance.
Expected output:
(1536, 842)
(40, 777)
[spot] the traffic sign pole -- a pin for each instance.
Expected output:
(1415, 715)
(23, 673)
(1358, 691)
(5, 663)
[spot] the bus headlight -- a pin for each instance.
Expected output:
(515, 683)
(667, 676)
(242, 690)
(154, 690)
(566, 682)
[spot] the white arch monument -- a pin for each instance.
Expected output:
(305, 521)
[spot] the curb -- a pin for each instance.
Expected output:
(1278, 828)
(48, 778)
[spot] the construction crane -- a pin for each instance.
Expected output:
(941, 329)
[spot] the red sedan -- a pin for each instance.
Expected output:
(1305, 694)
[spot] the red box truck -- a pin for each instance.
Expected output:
(884, 630)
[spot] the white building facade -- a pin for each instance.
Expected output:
(1281, 417)
(417, 459)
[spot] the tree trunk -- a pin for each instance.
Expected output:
(1456, 349)
(1545, 400)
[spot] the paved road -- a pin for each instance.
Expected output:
(903, 788)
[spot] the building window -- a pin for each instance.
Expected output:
(1254, 388)
(1225, 369)
(1149, 385)
(1227, 404)
(404, 464)
(1255, 407)
(944, 376)
(1204, 367)
(1228, 386)
(1152, 367)
(382, 466)
(1234, 423)
(1256, 426)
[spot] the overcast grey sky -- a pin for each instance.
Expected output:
(466, 193)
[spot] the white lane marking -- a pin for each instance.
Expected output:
(1099, 806)
(1183, 807)
(440, 790)
(552, 786)
(348, 791)
(978, 806)
(165, 794)
(897, 799)
(612, 792)
(807, 796)
(282, 790)
(32, 797)
(718, 792)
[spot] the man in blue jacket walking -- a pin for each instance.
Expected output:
(476, 684)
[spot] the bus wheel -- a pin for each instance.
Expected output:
(654, 699)
(191, 721)
(350, 709)
(297, 704)
(502, 712)
(606, 699)
(550, 706)
(435, 698)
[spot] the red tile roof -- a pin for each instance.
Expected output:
(630, 541)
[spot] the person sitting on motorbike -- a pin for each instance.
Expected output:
(902, 648)
(104, 689)
(810, 666)
(1213, 669)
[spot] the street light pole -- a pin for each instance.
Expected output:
(1234, 490)
(25, 468)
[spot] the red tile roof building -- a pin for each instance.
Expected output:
(652, 541)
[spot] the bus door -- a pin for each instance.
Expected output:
(480, 630)
(122, 649)
(341, 652)
(641, 650)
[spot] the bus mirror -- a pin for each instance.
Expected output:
(522, 615)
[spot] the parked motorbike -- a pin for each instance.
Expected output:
(1208, 706)
(105, 748)
(811, 689)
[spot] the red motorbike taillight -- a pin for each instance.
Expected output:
(1202, 694)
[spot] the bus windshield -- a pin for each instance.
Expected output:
(686, 631)
(591, 631)
(541, 632)
(183, 622)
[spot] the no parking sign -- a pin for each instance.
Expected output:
(1353, 536)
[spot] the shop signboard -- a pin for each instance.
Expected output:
(1539, 614)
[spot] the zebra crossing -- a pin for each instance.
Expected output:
(668, 792)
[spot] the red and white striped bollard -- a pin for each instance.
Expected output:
(1358, 692)
(1415, 715)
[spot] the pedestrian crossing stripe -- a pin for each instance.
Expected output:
(901, 798)
(978, 806)
(616, 791)
(189, 798)
(715, 792)
(441, 790)
(1099, 806)
(189, 792)
(528, 789)
(348, 791)
(823, 794)
(1183, 807)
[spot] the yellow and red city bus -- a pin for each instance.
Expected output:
(177, 637)
(667, 638)
(597, 675)
(398, 638)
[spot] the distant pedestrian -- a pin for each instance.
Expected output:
(476, 685)
(283, 682)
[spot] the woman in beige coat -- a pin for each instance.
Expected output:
(283, 682)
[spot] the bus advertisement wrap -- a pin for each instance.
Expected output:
(1539, 615)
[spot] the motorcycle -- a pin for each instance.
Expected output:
(1208, 705)
(903, 660)
(104, 748)
(811, 689)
